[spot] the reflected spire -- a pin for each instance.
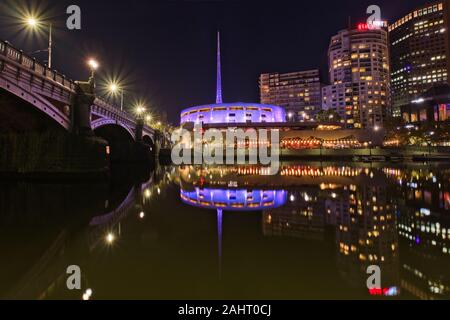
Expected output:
(219, 73)
(219, 239)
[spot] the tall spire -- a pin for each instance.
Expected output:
(219, 238)
(219, 73)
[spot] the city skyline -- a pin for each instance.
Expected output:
(224, 150)
(181, 52)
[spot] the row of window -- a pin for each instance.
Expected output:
(206, 110)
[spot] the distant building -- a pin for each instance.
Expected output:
(419, 53)
(431, 108)
(298, 92)
(232, 113)
(359, 77)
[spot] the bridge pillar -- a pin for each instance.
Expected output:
(81, 108)
(138, 132)
(144, 152)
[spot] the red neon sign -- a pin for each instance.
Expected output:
(372, 26)
(363, 26)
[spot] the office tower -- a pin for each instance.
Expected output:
(419, 45)
(298, 92)
(359, 77)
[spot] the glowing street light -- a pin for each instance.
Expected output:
(33, 23)
(93, 65)
(114, 88)
(148, 118)
(140, 109)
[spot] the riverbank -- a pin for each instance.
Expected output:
(59, 156)
(411, 154)
(371, 154)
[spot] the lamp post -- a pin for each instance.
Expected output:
(140, 110)
(115, 88)
(93, 65)
(33, 23)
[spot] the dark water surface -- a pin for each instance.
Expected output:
(231, 233)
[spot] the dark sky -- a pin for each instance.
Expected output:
(165, 50)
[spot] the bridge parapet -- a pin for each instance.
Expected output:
(10, 54)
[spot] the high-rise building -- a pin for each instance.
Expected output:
(298, 92)
(359, 77)
(419, 53)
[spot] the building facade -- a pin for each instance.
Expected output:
(233, 113)
(359, 90)
(419, 53)
(298, 92)
(430, 109)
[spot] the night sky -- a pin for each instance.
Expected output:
(165, 50)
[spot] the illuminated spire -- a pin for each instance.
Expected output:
(219, 238)
(219, 74)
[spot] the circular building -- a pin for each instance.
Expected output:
(234, 199)
(233, 113)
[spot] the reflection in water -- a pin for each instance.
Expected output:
(231, 232)
(424, 229)
(234, 199)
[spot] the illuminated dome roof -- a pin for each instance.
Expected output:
(233, 113)
(234, 200)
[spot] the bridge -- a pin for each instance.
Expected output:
(34, 97)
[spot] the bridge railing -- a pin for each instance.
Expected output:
(101, 102)
(18, 57)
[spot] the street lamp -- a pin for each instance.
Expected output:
(93, 65)
(115, 88)
(33, 23)
(140, 110)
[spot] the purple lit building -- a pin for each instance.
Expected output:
(234, 200)
(223, 113)
(233, 113)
